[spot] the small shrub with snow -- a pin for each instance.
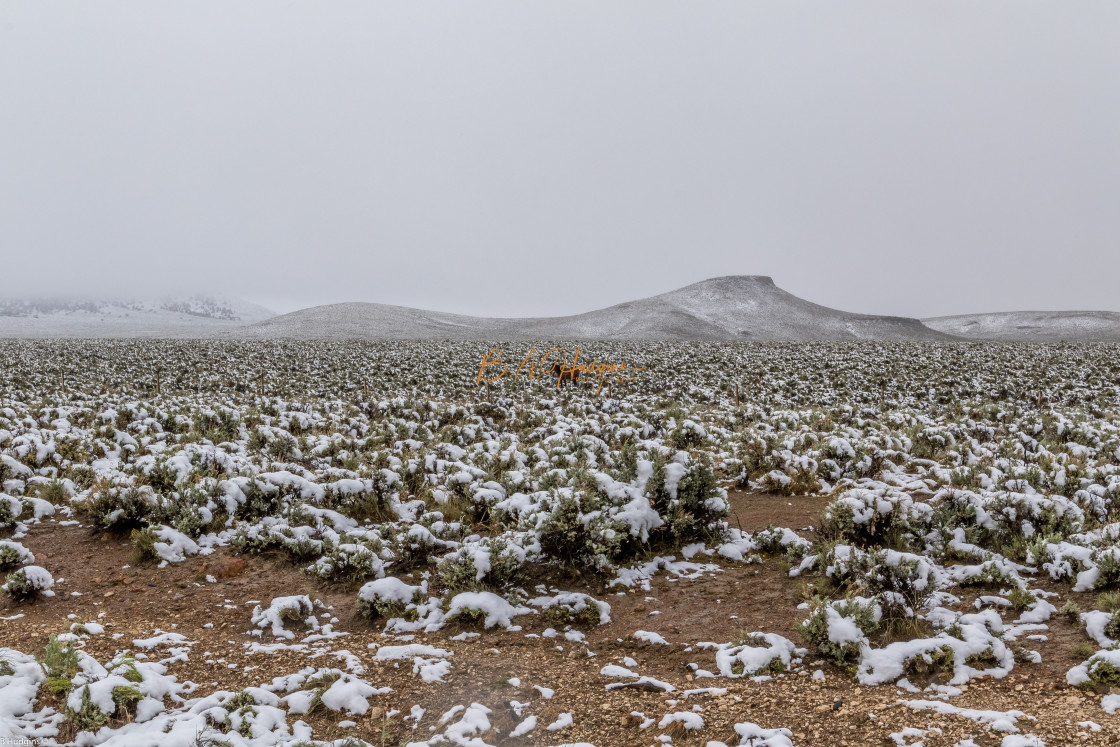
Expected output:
(331, 689)
(882, 517)
(839, 630)
(1107, 568)
(10, 508)
(143, 545)
(1101, 670)
(114, 691)
(685, 493)
(59, 662)
(753, 735)
(387, 597)
(190, 511)
(29, 582)
(483, 608)
(580, 535)
(350, 562)
(758, 654)
(490, 563)
(298, 543)
(929, 663)
(13, 554)
(283, 612)
(903, 582)
(995, 572)
(688, 435)
(161, 543)
(119, 508)
(572, 609)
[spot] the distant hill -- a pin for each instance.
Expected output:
(1033, 326)
(735, 307)
(186, 316)
(738, 307)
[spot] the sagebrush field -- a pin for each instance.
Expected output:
(281, 543)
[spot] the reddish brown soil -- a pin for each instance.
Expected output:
(754, 511)
(717, 607)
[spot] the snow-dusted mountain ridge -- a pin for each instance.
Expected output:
(737, 307)
(1032, 326)
(734, 307)
(185, 316)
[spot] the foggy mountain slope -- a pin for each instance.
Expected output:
(738, 307)
(186, 316)
(1032, 326)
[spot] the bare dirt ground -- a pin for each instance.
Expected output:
(96, 582)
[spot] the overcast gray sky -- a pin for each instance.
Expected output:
(538, 158)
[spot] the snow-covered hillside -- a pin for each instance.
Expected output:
(1033, 326)
(188, 316)
(734, 307)
(738, 307)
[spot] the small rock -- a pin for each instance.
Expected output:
(225, 567)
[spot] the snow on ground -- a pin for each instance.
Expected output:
(967, 507)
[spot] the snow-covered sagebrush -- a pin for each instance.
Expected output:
(954, 474)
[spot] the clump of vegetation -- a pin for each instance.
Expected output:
(87, 717)
(990, 574)
(574, 610)
(863, 613)
(190, 511)
(1020, 598)
(317, 685)
(1112, 627)
(1083, 649)
(930, 664)
(349, 561)
(694, 508)
(1108, 568)
(1109, 601)
(13, 554)
(297, 545)
(118, 508)
(27, 583)
(502, 567)
(986, 659)
(59, 663)
(54, 492)
(902, 582)
(593, 544)
(1103, 670)
(143, 545)
(756, 654)
(387, 598)
(873, 518)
